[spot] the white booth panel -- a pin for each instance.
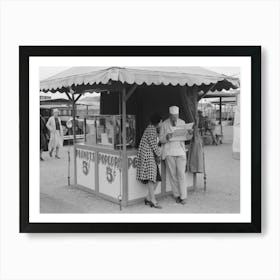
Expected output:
(109, 175)
(85, 168)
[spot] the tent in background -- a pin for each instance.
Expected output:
(236, 130)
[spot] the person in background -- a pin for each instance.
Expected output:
(207, 125)
(174, 154)
(148, 158)
(43, 137)
(56, 134)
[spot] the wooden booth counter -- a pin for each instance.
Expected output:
(99, 170)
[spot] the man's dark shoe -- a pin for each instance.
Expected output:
(178, 199)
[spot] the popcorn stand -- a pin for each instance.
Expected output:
(105, 163)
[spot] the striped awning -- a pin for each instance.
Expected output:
(182, 76)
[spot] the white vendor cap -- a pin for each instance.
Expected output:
(174, 110)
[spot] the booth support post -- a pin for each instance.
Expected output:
(194, 181)
(74, 137)
(221, 116)
(74, 131)
(120, 151)
(124, 153)
(196, 134)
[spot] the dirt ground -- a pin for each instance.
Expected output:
(222, 195)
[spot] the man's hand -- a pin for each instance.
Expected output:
(168, 136)
(158, 159)
(190, 131)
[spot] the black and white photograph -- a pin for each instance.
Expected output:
(124, 141)
(179, 151)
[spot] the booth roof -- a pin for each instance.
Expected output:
(229, 100)
(224, 94)
(182, 76)
(63, 102)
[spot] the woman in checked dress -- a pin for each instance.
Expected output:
(148, 158)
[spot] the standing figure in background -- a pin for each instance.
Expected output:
(56, 133)
(174, 154)
(148, 158)
(43, 137)
(206, 125)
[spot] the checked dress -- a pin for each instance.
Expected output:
(147, 168)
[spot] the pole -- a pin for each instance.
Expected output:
(120, 148)
(194, 181)
(124, 153)
(221, 116)
(204, 170)
(85, 129)
(69, 158)
(74, 136)
(74, 118)
(195, 135)
(68, 165)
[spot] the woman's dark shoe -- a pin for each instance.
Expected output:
(57, 157)
(155, 205)
(147, 202)
(41, 159)
(178, 199)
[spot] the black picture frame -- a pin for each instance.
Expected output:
(254, 52)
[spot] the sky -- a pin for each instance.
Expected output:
(46, 72)
(230, 71)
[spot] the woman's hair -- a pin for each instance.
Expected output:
(155, 119)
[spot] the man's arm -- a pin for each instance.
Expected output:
(162, 134)
(182, 122)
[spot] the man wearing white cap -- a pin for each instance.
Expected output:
(174, 154)
(56, 133)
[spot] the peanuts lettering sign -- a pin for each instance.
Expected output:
(87, 157)
(112, 162)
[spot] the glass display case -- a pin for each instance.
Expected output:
(106, 130)
(90, 130)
